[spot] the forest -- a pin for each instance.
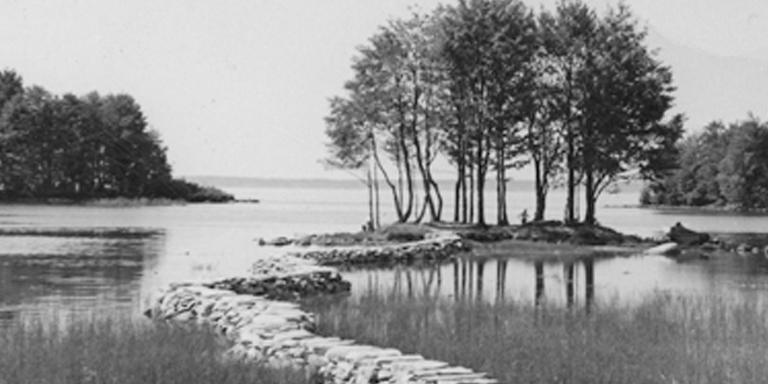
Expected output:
(722, 166)
(493, 85)
(83, 148)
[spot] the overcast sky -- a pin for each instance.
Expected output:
(240, 87)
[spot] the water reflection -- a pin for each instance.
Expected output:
(583, 283)
(62, 271)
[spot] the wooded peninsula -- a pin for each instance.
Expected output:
(83, 148)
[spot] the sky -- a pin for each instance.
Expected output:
(240, 87)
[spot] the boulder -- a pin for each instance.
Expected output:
(687, 237)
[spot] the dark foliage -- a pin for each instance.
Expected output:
(720, 166)
(82, 148)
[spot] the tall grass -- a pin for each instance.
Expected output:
(101, 351)
(665, 340)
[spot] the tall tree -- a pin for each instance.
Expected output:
(568, 36)
(351, 146)
(627, 92)
(489, 43)
(543, 118)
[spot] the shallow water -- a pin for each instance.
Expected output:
(60, 259)
(628, 280)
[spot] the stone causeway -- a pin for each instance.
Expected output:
(258, 315)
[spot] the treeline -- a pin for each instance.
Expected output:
(85, 147)
(492, 85)
(724, 166)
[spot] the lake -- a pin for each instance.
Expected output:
(56, 260)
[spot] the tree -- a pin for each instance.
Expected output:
(424, 90)
(488, 46)
(567, 36)
(11, 85)
(743, 172)
(351, 146)
(544, 136)
(626, 93)
(724, 166)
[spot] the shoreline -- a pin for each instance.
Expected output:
(116, 202)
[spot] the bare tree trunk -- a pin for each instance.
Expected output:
(541, 191)
(371, 216)
(590, 196)
(480, 182)
(570, 215)
(392, 186)
(471, 204)
(457, 198)
(501, 191)
(377, 223)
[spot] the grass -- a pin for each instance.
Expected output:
(665, 340)
(102, 351)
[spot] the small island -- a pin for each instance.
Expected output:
(84, 149)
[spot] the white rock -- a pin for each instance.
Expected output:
(341, 351)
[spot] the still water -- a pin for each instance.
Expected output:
(57, 260)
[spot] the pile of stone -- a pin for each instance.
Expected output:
(285, 278)
(439, 247)
(279, 334)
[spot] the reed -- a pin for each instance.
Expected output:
(666, 339)
(114, 350)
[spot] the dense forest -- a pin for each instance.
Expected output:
(82, 148)
(492, 85)
(720, 166)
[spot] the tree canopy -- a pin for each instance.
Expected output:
(719, 166)
(85, 147)
(492, 85)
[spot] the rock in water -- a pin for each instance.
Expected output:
(687, 237)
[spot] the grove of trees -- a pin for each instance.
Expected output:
(85, 147)
(721, 166)
(491, 85)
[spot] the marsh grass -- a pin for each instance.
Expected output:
(108, 350)
(664, 340)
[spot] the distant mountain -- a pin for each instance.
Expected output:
(711, 87)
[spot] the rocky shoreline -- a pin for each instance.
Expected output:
(437, 247)
(260, 317)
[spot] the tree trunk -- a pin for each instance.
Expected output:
(590, 192)
(541, 191)
(457, 197)
(377, 223)
(501, 187)
(438, 195)
(480, 182)
(471, 202)
(570, 216)
(396, 197)
(371, 216)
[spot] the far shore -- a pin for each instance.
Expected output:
(709, 209)
(117, 202)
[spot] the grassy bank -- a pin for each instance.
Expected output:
(664, 340)
(83, 351)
